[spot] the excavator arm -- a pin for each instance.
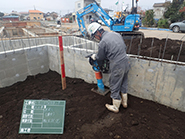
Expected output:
(93, 8)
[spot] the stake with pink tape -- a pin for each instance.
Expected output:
(63, 76)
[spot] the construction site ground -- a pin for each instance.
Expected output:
(86, 116)
(147, 33)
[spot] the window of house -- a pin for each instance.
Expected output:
(35, 18)
(79, 5)
(38, 17)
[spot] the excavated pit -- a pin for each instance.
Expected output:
(86, 115)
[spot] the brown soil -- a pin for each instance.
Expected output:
(144, 48)
(86, 116)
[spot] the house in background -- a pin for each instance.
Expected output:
(67, 18)
(54, 15)
(24, 16)
(36, 15)
(50, 16)
(14, 13)
(10, 18)
(159, 9)
(81, 4)
(13, 16)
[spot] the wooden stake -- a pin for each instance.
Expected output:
(63, 76)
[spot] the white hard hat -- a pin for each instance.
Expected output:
(92, 28)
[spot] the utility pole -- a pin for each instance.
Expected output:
(132, 4)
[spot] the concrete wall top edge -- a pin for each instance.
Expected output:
(156, 59)
(19, 49)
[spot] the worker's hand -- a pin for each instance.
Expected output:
(93, 56)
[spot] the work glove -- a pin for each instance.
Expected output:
(93, 56)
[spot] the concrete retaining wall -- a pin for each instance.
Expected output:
(163, 83)
(160, 81)
(17, 65)
(69, 41)
(6, 45)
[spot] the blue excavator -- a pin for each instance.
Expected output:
(127, 26)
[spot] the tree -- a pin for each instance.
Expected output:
(54, 15)
(172, 12)
(1, 14)
(182, 11)
(149, 18)
(140, 11)
(163, 23)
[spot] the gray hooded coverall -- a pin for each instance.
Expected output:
(113, 48)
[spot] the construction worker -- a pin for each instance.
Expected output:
(113, 48)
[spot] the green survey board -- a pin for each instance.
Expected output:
(42, 117)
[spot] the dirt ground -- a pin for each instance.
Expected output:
(86, 116)
(160, 48)
(144, 47)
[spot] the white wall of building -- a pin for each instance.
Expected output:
(80, 4)
(158, 12)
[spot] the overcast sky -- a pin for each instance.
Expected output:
(65, 6)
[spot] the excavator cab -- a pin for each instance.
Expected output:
(119, 18)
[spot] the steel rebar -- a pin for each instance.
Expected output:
(159, 52)
(29, 41)
(81, 45)
(86, 45)
(130, 45)
(73, 44)
(23, 43)
(179, 52)
(151, 50)
(3, 46)
(164, 49)
(36, 43)
(139, 47)
(56, 40)
(68, 44)
(10, 42)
